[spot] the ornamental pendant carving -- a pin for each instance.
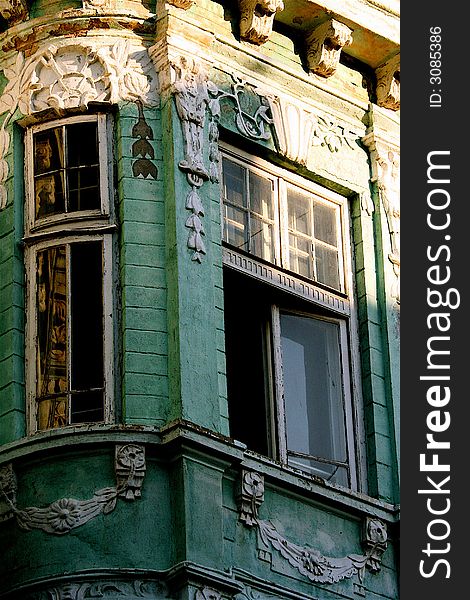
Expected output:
(66, 514)
(324, 45)
(195, 96)
(257, 18)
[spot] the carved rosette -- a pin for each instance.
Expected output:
(388, 84)
(308, 561)
(298, 128)
(66, 514)
(250, 496)
(207, 593)
(72, 76)
(324, 45)
(257, 18)
(385, 167)
(14, 11)
(195, 96)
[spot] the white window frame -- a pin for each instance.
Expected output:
(67, 229)
(282, 179)
(341, 305)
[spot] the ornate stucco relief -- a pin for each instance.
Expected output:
(385, 168)
(102, 589)
(324, 45)
(184, 4)
(66, 514)
(14, 11)
(388, 84)
(195, 95)
(257, 18)
(308, 561)
(142, 149)
(72, 75)
(299, 128)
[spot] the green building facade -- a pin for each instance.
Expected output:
(199, 299)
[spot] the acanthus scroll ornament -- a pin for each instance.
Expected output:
(71, 76)
(324, 45)
(388, 84)
(66, 514)
(308, 561)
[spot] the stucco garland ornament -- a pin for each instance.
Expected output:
(66, 514)
(308, 561)
(71, 76)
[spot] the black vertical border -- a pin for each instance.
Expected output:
(425, 129)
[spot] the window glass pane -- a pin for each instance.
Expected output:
(327, 266)
(325, 223)
(83, 186)
(236, 227)
(87, 377)
(52, 336)
(313, 389)
(300, 257)
(82, 144)
(299, 208)
(48, 151)
(49, 194)
(234, 183)
(261, 198)
(261, 239)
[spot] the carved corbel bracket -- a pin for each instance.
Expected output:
(388, 84)
(66, 514)
(306, 560)
(14, 11)
(250, 496)
(257, 18)
(324, 45)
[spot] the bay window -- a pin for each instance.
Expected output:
(289, 319)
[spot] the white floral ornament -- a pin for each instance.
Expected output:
(72, 76)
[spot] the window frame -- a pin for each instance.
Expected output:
(282, 179)
(66, 229)
(326, 303)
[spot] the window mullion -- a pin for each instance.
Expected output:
(68, 274)
(284, 224)
(248, 209)
(279, 386)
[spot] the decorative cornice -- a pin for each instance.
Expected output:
(308, 561)
(71, 76)
(14, 11)
(324, 45)
(257, 18)
(388, 84)
(66, 514)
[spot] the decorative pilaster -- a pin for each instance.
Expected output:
(385, 167)
(324, 45)
(257, 18)
(14, 11)
(388, 84)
